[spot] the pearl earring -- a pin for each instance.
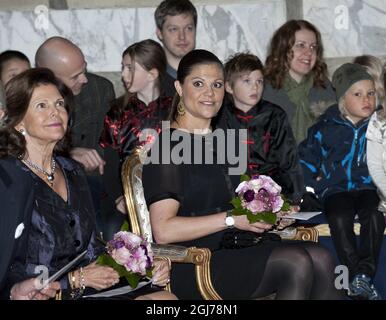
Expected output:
(22, 131)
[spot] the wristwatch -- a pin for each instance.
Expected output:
(229, 220)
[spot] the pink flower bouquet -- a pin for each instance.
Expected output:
(259, 198)
(130, 255)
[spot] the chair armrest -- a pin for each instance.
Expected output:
(288, 233)
(173, 252)
(299, 233)
(307, 234)
(200, 257)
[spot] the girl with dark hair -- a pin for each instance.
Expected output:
(144, 106)
(296, 75)
(189, 203)
(58, 213)
(12, 63)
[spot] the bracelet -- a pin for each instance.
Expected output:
(58, 295)
(77, 292)
(82, 285)
(72, 279)
(10, 293)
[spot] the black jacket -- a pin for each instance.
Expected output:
(90, 108)
(272, 147)
(16, 194)
(56, 231)
(333, 156)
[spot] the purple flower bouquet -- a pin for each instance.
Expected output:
(130, 255)
(259, 198)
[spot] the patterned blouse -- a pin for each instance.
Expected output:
(124, 130)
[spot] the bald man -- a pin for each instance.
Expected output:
(67, 61)
(92, 97)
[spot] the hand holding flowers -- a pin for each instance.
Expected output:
(259, 199)
(97, 276)
(161, 273)
(283, 223)
(130, 255)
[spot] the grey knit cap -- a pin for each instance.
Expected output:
(346, 75)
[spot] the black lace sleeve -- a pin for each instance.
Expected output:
(160, 180)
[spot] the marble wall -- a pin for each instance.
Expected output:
(103, 34)
(348, 27)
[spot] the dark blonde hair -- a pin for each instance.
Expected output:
(174, 8)
(280, 54)
(150, 55)
(18, 92)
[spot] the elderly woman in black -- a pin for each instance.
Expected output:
(34, 142)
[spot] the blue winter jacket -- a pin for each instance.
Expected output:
(335, 151)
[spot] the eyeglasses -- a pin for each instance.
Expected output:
(302, 46)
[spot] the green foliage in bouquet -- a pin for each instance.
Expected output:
(259, 199)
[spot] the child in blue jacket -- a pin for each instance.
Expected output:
(333, 158)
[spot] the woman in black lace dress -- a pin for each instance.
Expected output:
(188, 200)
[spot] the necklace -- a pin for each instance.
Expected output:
(194, 131)
(49, 176)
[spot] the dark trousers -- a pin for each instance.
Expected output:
(340, 209)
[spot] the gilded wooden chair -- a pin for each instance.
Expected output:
(299, 233)
(200, 257)
(140, 224)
